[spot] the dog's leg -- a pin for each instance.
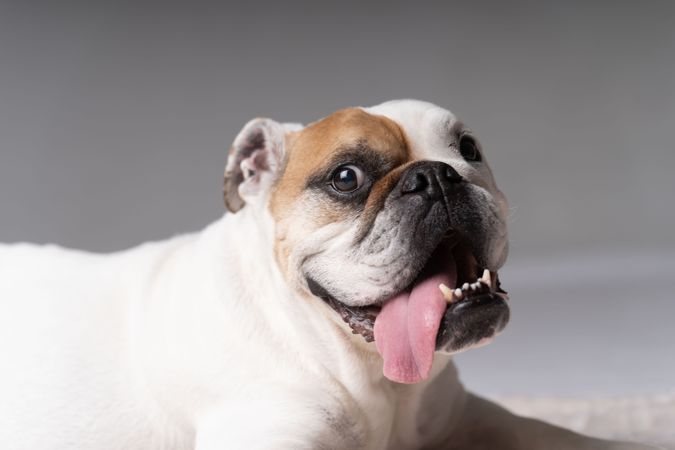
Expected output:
(487, 426)
(279, 423)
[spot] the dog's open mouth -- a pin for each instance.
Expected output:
(452, 304)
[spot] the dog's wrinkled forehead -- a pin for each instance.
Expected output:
(429, 129)
(434, 133)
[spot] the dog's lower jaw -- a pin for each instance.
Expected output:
(475, 312)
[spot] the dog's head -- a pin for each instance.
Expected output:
(391, 216)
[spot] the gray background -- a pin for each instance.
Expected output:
(115, 118)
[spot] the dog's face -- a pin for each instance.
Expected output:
(374, 209)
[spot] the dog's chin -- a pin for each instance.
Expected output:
(451, 305)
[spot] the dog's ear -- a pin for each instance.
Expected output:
(254, 160)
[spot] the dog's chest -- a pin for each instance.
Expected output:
(365, 424)
(380, 417)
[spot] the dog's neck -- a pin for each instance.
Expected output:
(192, 323)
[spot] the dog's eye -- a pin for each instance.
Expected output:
(469, 149)
(347, 179)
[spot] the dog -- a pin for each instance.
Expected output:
(358, 253)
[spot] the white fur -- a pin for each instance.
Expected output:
(198, 342)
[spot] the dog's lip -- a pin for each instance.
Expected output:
(361, 319)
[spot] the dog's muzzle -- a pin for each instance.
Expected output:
(443, 295)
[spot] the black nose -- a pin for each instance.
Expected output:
(428, 178)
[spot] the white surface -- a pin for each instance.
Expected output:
(646, 419)
(583, 324)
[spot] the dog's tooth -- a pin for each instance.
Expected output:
(487, 278)
(458, 293)
(465, 286)
(448, 294)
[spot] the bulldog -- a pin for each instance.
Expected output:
(359, 252)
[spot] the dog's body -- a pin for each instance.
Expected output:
(133, 350)
(221, 339)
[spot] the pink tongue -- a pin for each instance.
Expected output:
(406, 327)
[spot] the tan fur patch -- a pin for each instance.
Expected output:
(311, 148)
